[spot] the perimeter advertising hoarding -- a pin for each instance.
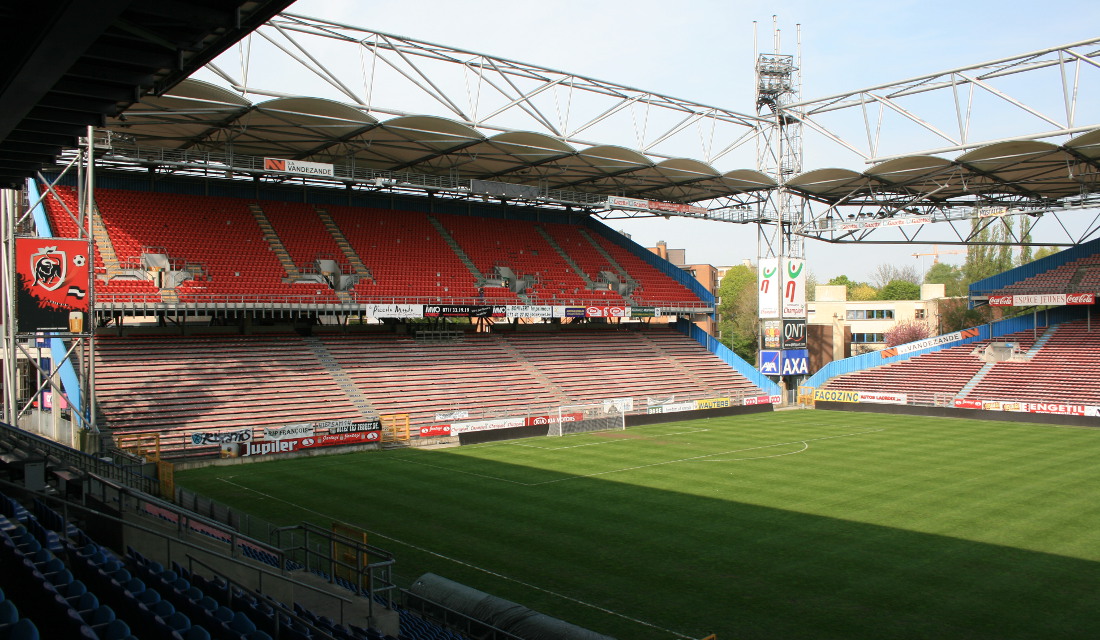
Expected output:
(268, 447)
(873, 397)
(464, 311)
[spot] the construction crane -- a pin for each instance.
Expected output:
(936, 253)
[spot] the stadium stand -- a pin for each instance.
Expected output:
(176, 386)
(173, 386)
(1079, 276)
(270, 248)
(1065, 369)
(929, 378)
(58, 579)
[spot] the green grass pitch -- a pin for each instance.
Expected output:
(793, 524)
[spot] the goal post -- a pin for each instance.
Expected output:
(583, 418)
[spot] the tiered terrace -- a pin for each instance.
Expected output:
(927, 378)
(1065, 370)
(175, 386)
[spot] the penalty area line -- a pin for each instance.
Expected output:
(468, 565)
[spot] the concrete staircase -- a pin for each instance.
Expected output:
(588, 282)
(353, 259)
(103, 242)
(607, 256)
(973, 382)
(273, 241)
(449, 239)
(333, 368)
(987, 367)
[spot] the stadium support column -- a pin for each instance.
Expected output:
(781, 265)
(9, 205)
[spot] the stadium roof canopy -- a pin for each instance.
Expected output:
(70, 64)
(200, 117)
(1025, 170)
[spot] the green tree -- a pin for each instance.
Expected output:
(1046, 251)
(900, 290)
(862, 291)
(738, 324)
(949, 276)
(991, 251)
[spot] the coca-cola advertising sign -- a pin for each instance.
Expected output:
(1042, 299)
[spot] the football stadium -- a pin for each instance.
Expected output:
(284, 365)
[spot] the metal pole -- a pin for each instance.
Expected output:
(89, 321)
(8, 207)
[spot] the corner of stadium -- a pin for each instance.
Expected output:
(285, 369)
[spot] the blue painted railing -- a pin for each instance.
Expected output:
(689, 329)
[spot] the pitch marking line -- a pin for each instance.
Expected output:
(709, 455)
(611, 441)
(464, 563)
(702, 458)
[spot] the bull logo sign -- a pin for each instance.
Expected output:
(49, 267)
(54, 271)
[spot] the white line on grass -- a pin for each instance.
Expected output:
(466, 564)
(704, 457)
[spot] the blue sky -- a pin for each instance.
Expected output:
(703, 51)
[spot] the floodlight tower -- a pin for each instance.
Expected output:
(779, 143)
(782, 274)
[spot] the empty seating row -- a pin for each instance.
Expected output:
(222, 243)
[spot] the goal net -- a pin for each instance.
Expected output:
(582, 418)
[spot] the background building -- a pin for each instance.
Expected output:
(839, 327)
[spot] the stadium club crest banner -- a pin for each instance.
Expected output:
(794, 288)
(54, 272)
(768, 281)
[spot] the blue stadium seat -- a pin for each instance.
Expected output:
(22, 629)
(9, 613)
